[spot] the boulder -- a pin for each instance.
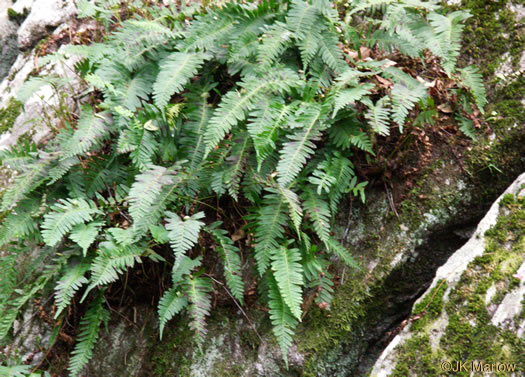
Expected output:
(473, 314)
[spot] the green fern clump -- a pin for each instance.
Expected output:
(224, 135)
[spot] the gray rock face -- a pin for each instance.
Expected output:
(36, 19)
(459, 283)
(8, 40)
(42, 17)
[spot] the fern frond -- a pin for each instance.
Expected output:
(21, 222)
(235, 105)
(144, 147)
(85, 234)
(330, 52)
(87, 336)
(341, 168)
(171, 303)
(301, 18)
(30, 179)
(64, 216)
(134, 89)
(111, 261)
(269, 229)
(322, 178)
(361, 140)
(15, 371)
(336, 248)
(288, 273)
(193, 131)
(294, 205)
(318, 213)
(62, 168)
(471, 79)
(138, 37)
(349, 96)
(264, 128)
(208, 31)
(406, 92)
(275, 40)
(231, 261)
(145, 191)
(467, 127)
(448, 29)
(91, 129)
(283, 320)
(300, 147)
(68, 285)
(182, 267)
(378, 116)
(235, 163)
(198, 291)
(175, 72)
(315, 271)
(183, 233)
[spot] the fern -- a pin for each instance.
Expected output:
(263, 101)
(21, 222)
(335, 247)
(269, 229)
(198, 291)
(111, 261)
(235, 163)
(231, 262)
(175, 72)
(146, 191)
(448, 29)
(34, 175)
(15, 371)
(63, 217)
(276, 39)
(294, 206)
(171, 303)
(283, 320)
(68, 285)
(471, 79)
(301, 18)
(234, 105)
(85, 234)
(87, 336)
(295, 152)
(91, 129)
(183, 233)
(319, 213)
(349, 96)
(182, 267)
(289, 276)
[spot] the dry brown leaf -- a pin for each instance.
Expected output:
(445, 108)
(384, 83)
(238, 235)
(365, 52)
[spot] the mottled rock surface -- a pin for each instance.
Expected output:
(474, 310)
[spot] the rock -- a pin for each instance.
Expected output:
(39, 110)
(42, 17)
(8, 40)
(479, 290)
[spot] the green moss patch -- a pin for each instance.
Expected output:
(9, 114)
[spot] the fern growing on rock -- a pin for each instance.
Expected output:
(224, 136)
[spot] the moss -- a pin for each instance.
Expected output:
(14, 16)
(417, 358)
(430, 307)
(9, 114)
(469, 334)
